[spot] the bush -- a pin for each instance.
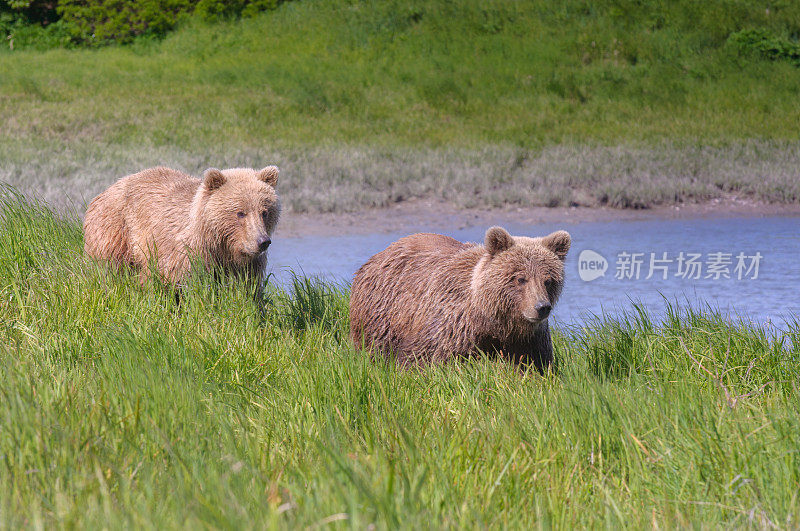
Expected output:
(766, 44)
(101, 21)
(31, 24)
(18, 34)
(222, 9)
(41, 12)
(104, 21)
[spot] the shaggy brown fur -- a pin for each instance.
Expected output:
(428, 298)
(167, 217)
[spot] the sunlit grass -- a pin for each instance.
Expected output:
(426, 73)
(121, 407)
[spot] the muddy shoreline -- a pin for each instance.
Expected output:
(432, 215)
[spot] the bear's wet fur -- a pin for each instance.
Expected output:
(428, 298)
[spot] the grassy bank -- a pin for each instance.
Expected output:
(119, 408)
(623, 103)
(422, 73)
(351, 179)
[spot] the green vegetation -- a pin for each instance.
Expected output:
(44, 24)
(767, 45)
(344, 90)
(95, 22)
(430, 73)
(119, 408)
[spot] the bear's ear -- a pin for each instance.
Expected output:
(213, 179)
(558, 242)
(497, 240)
(269, 175)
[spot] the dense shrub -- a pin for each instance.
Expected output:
(31, 24)
(99, 21)
(51, 23)
(216, 9)
(766, 44)
(103, 21)
(35, 11)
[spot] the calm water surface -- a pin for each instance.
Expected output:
(767, 292)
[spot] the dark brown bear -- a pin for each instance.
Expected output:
(428, 298)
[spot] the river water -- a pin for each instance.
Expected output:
(747, 267)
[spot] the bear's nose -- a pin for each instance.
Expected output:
(263, 244)
(543, 309)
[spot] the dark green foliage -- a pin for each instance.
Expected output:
(31, 24)
(766, 44)
(41, 24)
(101, 21)
(33, 11)
(223, 9)
(19, 34)
(104, 21)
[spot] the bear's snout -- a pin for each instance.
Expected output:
(263, 244)
(543, 309)
(539, 312)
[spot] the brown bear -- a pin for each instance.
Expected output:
(170, 218)
(428, 298)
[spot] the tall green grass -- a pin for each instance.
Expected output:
(120, 408)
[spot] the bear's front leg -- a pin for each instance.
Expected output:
(535, 352)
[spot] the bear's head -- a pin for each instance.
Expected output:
(236, 211)
(519, 279)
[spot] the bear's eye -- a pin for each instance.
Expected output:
(549, 283)
(521, 280)
(241, 215)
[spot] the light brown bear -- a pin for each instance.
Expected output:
(428, 298)
(170, 218)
